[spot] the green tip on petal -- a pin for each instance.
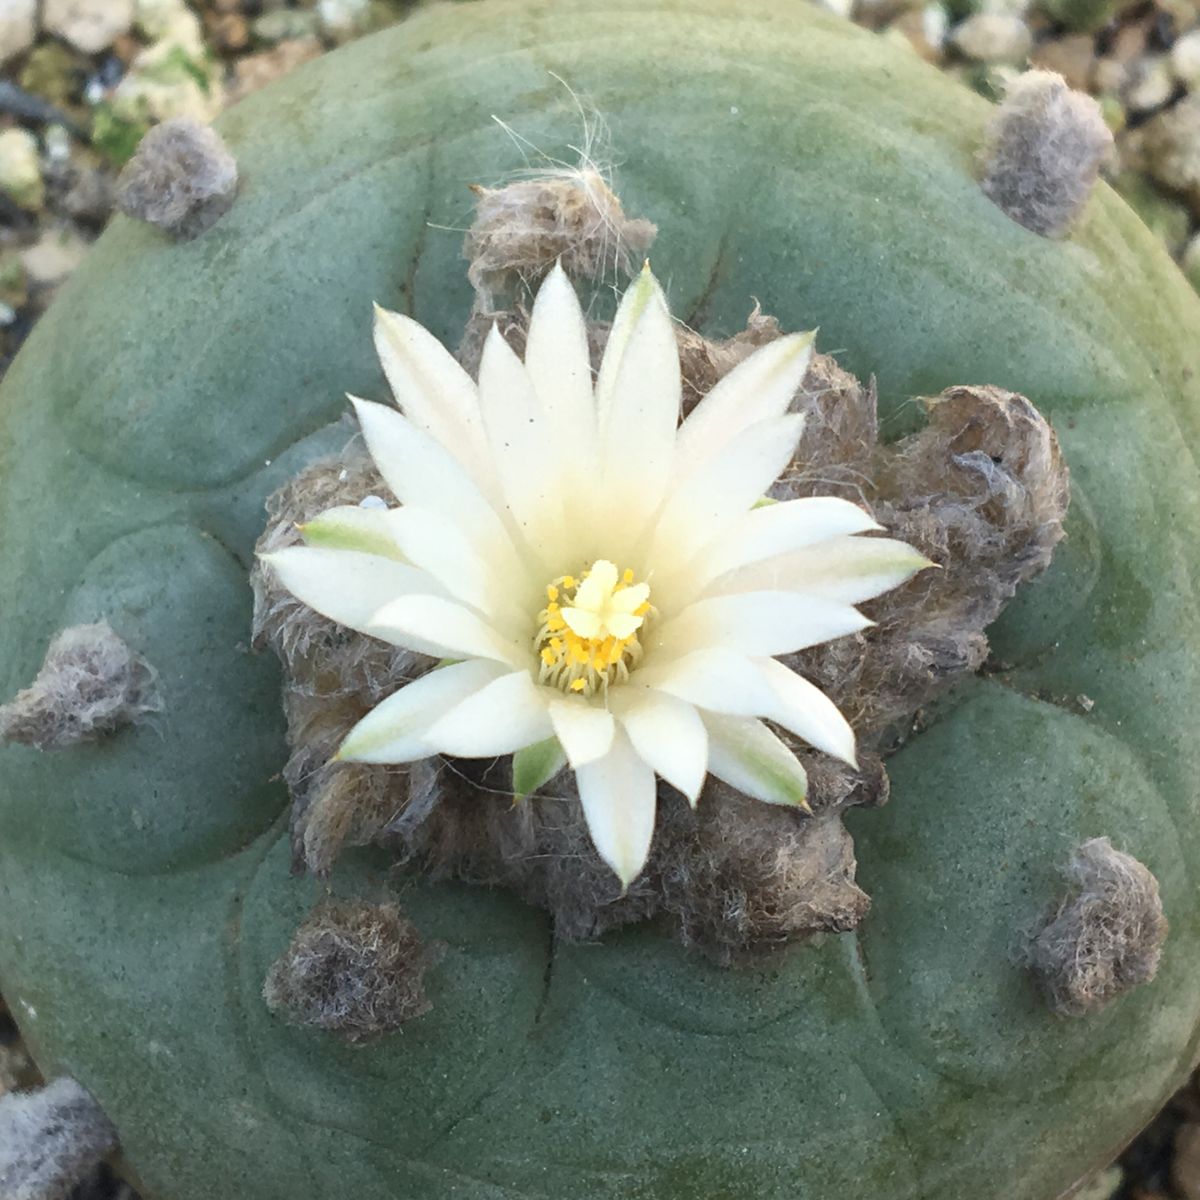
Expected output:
(534, 767)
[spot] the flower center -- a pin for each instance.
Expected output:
(588, 631)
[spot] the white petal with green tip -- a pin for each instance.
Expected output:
(350, 527)
(347, 586)
(534, 766)
(845, 570)
(507, 715)
(392, 731)
(746, 755)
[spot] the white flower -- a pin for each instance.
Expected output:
(606, 580)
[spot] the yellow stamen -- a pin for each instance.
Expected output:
(587, 664)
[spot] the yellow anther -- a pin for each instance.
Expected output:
(578, 642)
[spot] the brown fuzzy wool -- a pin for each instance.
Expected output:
(521, 230)
(1044, 149)
(353, 969)
(182, 179)
(91, 684)
(333, 676)
(1105, 937)
(51, 1140)
(982, 490)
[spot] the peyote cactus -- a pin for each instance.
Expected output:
(175, 385)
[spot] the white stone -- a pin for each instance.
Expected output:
(1185, 60)
(18, 25)
(993, 38)
(341, 19)
(49, 261)
(21, 169)
(1150, 85)
(843, 8)
(89, 25)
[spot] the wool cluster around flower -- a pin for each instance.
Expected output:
(605, 585)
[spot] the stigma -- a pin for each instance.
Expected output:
(587, 638)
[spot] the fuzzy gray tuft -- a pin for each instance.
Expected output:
(1107, 934)
(354, 969)
(334, 676)
(51, 1140)
(522, 229)
(182, 179)
(90, 684)
(1044, 149)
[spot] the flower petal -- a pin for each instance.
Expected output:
(638, 397)
(776, 529)
(522, 447)
(420, 470)
(349, 527)
(392, 731)
(347, 586)
(805, 710)
(455, 631)
(763, 623)
(585, 730)
(714, 678)
(668, 734)
(430, 387)
(558, 362)
(534, 766)
(618, 797)
(749, 757)
(848, 570)
(505, 716)
(725, 488)
(759, 388)
(439, 547)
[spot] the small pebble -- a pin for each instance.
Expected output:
(18, 26)
(993, 38)
(1171, 145)
(343, 19)
(53, 257)
(1185, 60)
(1150, 84)
(89, 25)
(1185, 1167)
(21, 169)
(255, 71)
(1071, 57)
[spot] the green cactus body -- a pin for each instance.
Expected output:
(785, 156)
